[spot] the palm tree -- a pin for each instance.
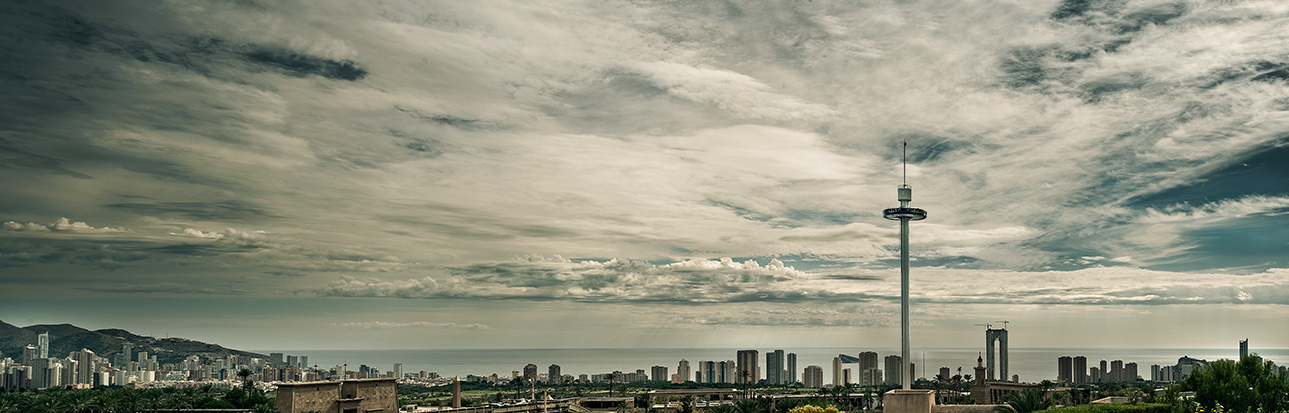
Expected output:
(245, 374)
(1027, 401)
(747, 384)
(938, 384)
(80, 402)
(747, 406)
(9, 403)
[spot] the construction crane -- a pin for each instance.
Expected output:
(1004, 323)
(986, 326)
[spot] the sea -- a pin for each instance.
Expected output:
(1030, 364)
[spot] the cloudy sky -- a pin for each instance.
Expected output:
(460, 174)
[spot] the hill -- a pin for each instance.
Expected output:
(66, 338)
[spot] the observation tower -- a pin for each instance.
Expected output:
(904, 214)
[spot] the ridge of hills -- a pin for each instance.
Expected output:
(108, 342)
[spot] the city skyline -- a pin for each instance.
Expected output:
(275, 366)
(389, 174)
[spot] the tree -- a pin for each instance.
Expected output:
(245, 374)
(810, 408)
(642, 400)
(686, 404)
(1027, 401)
(938, 384)
(1244, 386)
(748, 405)
(720, 408)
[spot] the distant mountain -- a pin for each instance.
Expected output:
(66, 338)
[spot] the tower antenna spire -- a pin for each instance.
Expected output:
(906, 163)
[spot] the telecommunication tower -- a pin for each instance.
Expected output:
(904, 214)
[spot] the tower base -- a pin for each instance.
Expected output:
(908, 401)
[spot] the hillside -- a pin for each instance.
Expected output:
(66, 338)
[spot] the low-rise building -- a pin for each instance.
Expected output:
(344, 396)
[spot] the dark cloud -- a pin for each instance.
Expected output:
(302, 65)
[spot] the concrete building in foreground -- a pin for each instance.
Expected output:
(345, 396)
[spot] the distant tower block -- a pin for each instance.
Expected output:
(998, 338)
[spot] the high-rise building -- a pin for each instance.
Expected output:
(42, 345)
(836, 372)
(749, 371)
(1064, 369)
(1105, 373)
(1130, 372)
(774, 367)
(846, 378)
(304, 361)
(708, 369)
(813, 377)
(46, 372)
(1244, 348)
(945, 373)
(872, 375)
(1116, 372)
(554, 376)
(127, 354)
(85, 361)
(682, 370)
(292, 361)
(731, 371)
(530, 373)
(1095, 372)
(869, 359)
(1080, 369)
(658, 373)
(396, 372)
(792, 369)
(29, 355)
(996, 338)
(1154, 373)
(275, 359)
(894, 368)
(69, 372)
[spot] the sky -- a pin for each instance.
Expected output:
(341, 174)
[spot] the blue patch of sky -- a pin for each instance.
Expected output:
(1248, 244)
(1263, 173)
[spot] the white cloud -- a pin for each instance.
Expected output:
(229, 234)
(1216, 211)
(374, 325)
(62, 224)
(733, 92)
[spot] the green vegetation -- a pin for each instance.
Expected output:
(1116, 408)
(120, 400)
(1249, 385)
(1027, 401)
(809, 408)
